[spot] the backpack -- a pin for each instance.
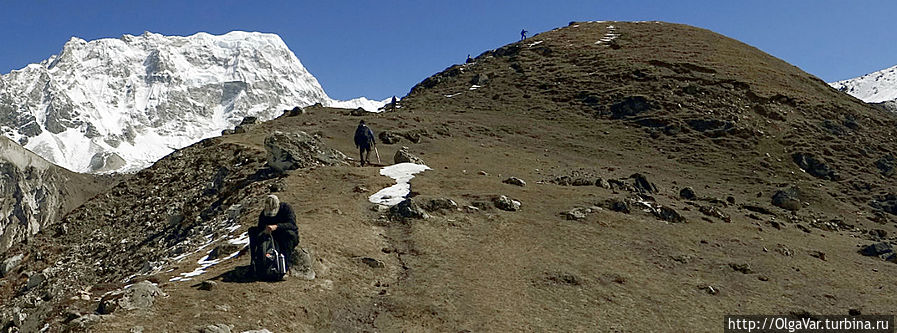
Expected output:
(271, 264)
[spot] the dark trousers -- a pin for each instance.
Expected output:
(285, 240)
(365, 155)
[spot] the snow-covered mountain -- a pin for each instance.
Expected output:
(121, 104)
(877, 87)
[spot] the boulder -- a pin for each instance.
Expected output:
(301, 264)
(295, 112)
(577, 213)
(507, 204)
(372, 263)
(218, 328)
(10, 264)
(289, 151)
(358, 112)
(403, 156)
(389, 137)
(787, 199)
(140, 295)
(630, 106)
(814, 166)
(670, 215)
(876, 249)
(602, 183)
(435, 204)
(687, 193)
(642, 184)
(514, 181)
(251, 120)
(408, 209)
(582, 182)
(35, 280)
(208, 285)
(617, 205)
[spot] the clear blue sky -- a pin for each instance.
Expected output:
(382, 48)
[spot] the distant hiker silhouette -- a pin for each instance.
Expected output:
(275, 235)
(394, 101)
(364, 141)
(523, 34)
(468, 59)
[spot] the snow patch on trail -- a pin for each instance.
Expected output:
(402, 173)
(609, 36)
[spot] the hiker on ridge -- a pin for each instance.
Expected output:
(523, 34)
(278, 221)
(364, 141)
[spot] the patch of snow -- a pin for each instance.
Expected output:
(876, 87)
(609, 36)
(402, 173)
(536, 43)
(453, 95)
(474, 87)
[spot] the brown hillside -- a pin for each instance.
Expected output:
(680, 106)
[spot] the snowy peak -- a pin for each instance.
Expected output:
(877, 87)
(121, 104)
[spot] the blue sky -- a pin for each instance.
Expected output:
(382, 48)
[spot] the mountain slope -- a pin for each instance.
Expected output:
(121, 104)
(35, 193)
(877, 87)
(673, 176)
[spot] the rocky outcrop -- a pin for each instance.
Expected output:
(289, 151)
(140, 295)
(403, 156)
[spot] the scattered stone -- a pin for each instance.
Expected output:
(731, 200)
(10, 264)
(758, 209)
(358, 112)
(630, 106)
(360, 189)
(642, 184)
(507, 204)
(617, 205)
(301, 264)
(514, 181)
(784, 250)
(687, 193)
(714, 212)
(408, 209)
(140, 295)
(483, 173)
(35, 280)
(223, 250)
(854, 312)
(787, 199)
(87, 320)
(578, 213)
(561, 278)
(682, 258)
(602, 183)
(218, 328)
(876, 249)
(227, 131)
(435, 204)
(814, 166)
(389, 137)
(295, 112)
(289, 151)
(373, 263)
(208, 285)
(743, 268)
(710, 290)
(670, 215)
(403, 156)
(818, 254)
(763, 278)
(250, 120)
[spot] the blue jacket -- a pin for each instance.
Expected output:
(364, 137)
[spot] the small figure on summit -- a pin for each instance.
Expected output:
(271, 242)
(523, 34)
(364, 141)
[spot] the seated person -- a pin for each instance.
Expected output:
(278, 221)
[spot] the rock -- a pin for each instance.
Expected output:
(239, 129)
(714, 212)
(642, 184)
(87, 320)
(616, 205)
(403, 156)
(10, 264)
(140, 295)
(582, 182)
(578, 213)
(507, 204)
(218, 328)
(295, 112)
(360, 189)
(208, 285)
(289, 151)
(876, 249)
(358, 112)
(389, 137)
(710, 290)
(670, 215)
(251, 120)
(483, 173)
(514, 181)
(886, 203)
(440, 204)
(264, 330)
(818, 254)
(687, 193)
(415, 136)
(854, 312)
(787, 199)
(408, 209)
(602, 183)
(373, 263)
(35, 280)
(301, 264)
(224, 250)
(227, 131)
(630, 106)
(814, 166)
(743, 268)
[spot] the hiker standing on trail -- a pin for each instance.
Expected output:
(523, 34)
(364, 141)
(277, 220)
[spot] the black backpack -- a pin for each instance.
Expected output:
(271, 263)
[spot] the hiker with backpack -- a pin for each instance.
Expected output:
(523, 34)
(272, 241)
(364, 141)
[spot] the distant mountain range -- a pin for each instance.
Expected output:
(121, 104)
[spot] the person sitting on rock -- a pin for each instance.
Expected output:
(277, 220)
(364, 141)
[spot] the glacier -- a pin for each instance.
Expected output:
(118, 105)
